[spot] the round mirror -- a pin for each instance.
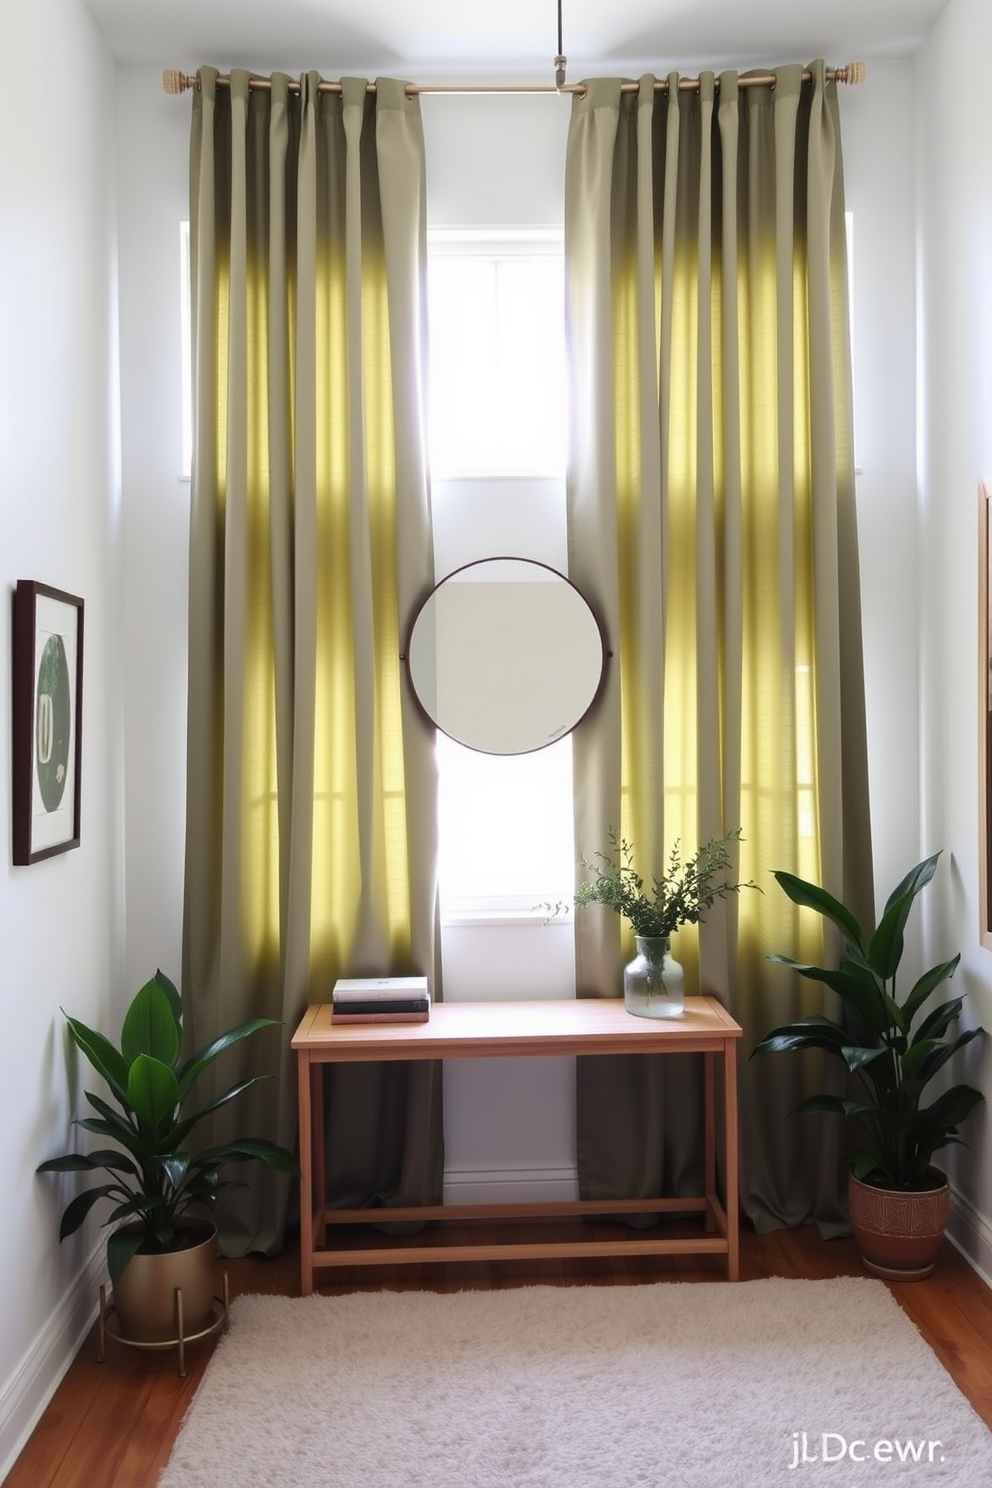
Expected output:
(505, 655)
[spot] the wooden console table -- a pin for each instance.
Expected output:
(487, 1030)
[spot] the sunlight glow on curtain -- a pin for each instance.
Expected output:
(311, 788)
(712, 517)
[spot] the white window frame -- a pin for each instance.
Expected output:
(501, 494)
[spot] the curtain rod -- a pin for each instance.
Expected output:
(177, 82)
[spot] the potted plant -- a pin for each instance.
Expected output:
(892, 1049)
(162, 1192)
(653, 983)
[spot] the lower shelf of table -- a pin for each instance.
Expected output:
(508, 1250)
(407, 1250)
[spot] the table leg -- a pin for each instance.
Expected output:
(317, 1076)
(730, 1119)
(303, 1073)
(709, 1151)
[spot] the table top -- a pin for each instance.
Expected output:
(461, 1030)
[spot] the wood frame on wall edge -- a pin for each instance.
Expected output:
(984, 717)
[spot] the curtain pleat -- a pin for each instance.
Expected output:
(712, 521)
(311, 781)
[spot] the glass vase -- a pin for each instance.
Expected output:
(654, 982)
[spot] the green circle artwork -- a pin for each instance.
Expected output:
(53, 723)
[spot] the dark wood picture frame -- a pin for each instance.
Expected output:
(46, 721)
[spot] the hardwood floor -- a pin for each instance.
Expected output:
(112, 1425)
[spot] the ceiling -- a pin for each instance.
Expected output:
(505, 40)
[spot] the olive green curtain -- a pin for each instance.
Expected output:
(311, 816)
(712, 519)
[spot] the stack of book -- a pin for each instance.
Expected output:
(380, 1000)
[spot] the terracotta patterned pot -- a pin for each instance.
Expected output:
(899, 1233)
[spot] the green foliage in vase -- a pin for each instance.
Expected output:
(154, 1178)
(887, 1044)
(680, 897)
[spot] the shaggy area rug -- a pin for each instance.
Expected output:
(707, 1385)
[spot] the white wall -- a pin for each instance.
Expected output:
(495, 161)
(955, 287)
(60, 920)
(878, 128)
(153, 184)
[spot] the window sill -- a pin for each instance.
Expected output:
(499, 917)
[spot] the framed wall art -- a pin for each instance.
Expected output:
(46, 721)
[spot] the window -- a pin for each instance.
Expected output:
(497, 450)
(497, 372)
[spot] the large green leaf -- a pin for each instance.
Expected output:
(121, 1246)
(248, 1149)
(184, 1127)
(921, 1067)
(118, 1162)
(198, 1062)
(811, 896)
(814, 1032)
(77, 1210)
(123, 1117)
(916, 879)
(88, 1162)
(72, 1162)
(200, 1195)
(176, 1168)
(856, 985)
(137, 1205)
(863, 1164)
(108, 1062)
(867, 994)
(937, 1023)
(857, 1058)
(150, 1027)
(885, 948)
(928, 984)
(172, 993)
(153, 1091)
(140, 1148)
(949, 1109)
(831, 1105)
(915, 1057)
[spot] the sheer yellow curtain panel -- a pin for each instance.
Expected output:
(310, 822)
(711, 501)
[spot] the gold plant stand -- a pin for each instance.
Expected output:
(221, 1319)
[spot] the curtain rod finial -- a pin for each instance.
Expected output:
(854, 73)
(177, 82)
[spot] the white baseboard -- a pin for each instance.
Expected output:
(516, 1185)
(35, 1380)
(971, 1233)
